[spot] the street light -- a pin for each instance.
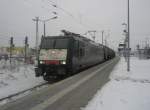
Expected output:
(44, 21)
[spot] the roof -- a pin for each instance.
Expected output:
(75, 36)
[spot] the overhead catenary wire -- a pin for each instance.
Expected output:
(3, 38)
(53, 4)
(41, 6)
(69, 14)
(7, 38)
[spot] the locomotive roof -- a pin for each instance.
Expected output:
(75, 36)
(79, 37)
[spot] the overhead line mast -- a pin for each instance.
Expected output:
(37, 35)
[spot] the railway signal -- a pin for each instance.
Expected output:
(11, 47)
(26, 46)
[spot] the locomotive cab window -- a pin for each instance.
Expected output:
(61, 43)
(55, 43)
(47, 43)
(54, 49)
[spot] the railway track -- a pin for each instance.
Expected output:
(23, 93)
(69, 93)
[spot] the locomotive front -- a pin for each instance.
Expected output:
(53, 57)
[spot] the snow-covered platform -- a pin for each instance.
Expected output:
(16, 77)
(125, 90)
(72, 93)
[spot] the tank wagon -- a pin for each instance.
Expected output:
(69, 53)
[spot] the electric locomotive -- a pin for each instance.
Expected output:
(67, 54)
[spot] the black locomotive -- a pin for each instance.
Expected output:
(69, 53)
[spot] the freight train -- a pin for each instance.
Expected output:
(69, 53)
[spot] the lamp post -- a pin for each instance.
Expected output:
(127, 39)
(128, 61)
(102, 36)
(44, 23)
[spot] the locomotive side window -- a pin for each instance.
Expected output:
(81, 49)
(82, 52)
(47, 43)
(76, 48)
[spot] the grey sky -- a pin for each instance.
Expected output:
(16, 18)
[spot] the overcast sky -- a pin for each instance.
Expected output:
(79, 16)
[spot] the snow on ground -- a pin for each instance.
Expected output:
(125, 90)
(16, 77)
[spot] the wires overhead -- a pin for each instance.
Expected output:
(55, 5)
(69, 14)
(54, 8)
(40, 5)
(4, 37)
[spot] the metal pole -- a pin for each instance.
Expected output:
(37, 36)
(11, 47)
(25, 58)
(10, 52)
(44, 24)
(102, 36)
(26, 43)
(105, 42)
(94, 33)
(128, 62)
(44, 29)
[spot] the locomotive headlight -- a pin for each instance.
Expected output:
(41, 62)
(63, 62)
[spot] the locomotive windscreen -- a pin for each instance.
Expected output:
(53, 49)
(48, 43)
(53, 54)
